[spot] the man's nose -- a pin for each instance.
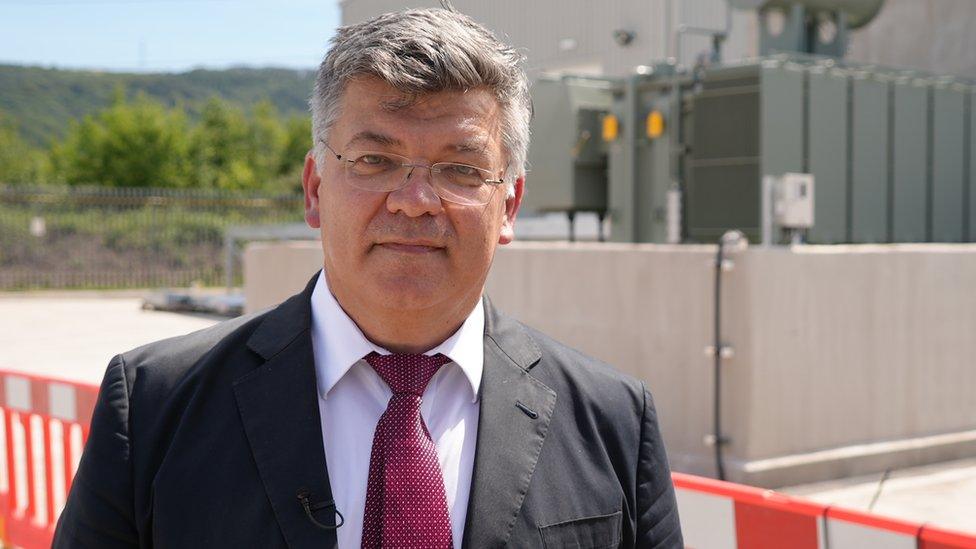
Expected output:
(417, 196)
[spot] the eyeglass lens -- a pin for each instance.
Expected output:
(454, 182)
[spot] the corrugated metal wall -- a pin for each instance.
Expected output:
(577, 35)
(928, 35)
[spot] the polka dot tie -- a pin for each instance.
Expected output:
(406, 506)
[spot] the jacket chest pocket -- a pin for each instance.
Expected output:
(601, 532)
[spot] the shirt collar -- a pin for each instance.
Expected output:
(338, 343)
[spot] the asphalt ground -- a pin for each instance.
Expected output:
(73, 335)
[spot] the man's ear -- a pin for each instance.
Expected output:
(310, 184)
(512, 203)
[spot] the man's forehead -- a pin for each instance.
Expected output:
(372, 95)
(373, 111)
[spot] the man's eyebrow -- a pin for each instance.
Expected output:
(373, 137)
(471, 145)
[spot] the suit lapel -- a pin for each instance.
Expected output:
(516, 410)
(279, 408)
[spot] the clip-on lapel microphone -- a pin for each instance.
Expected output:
(303, 497)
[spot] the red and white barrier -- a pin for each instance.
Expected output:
(42, 433)
(44, 423)
(722, 515)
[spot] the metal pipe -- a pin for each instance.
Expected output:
(732, 240)
(717, 439)
(718, 36)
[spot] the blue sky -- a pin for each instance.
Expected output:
(165, 35)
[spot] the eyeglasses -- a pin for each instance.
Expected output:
(386, 172)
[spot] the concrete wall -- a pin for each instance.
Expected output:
(847, 359)
(275, 270)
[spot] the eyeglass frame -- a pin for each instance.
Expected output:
(494, 182)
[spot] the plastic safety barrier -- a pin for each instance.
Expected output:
(44, 423)
(722, 515)
(43, 428)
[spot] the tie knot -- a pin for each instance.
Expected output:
(406, 373)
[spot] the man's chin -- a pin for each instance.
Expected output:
(405, 291)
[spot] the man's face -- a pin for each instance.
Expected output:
(408, 249)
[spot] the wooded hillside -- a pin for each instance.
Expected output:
(42, 102)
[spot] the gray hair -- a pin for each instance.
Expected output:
(426, 51)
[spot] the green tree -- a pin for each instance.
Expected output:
(237, 150)
(130, 144)
(267, 141)
(220, 148)
(142, 143)
(298, 141)
(19, 162)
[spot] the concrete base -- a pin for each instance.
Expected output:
(846, 359)
(860, 459)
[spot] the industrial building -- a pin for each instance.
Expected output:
(584, 36)
(813, 122)
(667, 117)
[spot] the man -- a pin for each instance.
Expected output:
(389, 404)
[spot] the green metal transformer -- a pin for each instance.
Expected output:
(679, 155)
(568, 149)
(891, 151)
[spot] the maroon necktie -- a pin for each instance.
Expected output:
(406, 506)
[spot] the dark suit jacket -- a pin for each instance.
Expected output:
(205, 440)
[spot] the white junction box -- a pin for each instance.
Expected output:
(793, 201)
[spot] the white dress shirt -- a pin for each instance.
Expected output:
(352, 397)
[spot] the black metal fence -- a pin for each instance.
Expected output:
(96, 237)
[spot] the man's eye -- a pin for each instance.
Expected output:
(462, 170)
(373, 159)
(373, 164)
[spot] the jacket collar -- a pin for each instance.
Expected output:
(510, 338)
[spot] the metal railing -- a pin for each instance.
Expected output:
(98, 237)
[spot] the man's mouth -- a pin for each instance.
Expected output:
(411, 247)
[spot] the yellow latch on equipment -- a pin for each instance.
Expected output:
(655, 124)
(611, 127)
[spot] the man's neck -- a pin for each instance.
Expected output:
(412, 338)
(406, 331)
